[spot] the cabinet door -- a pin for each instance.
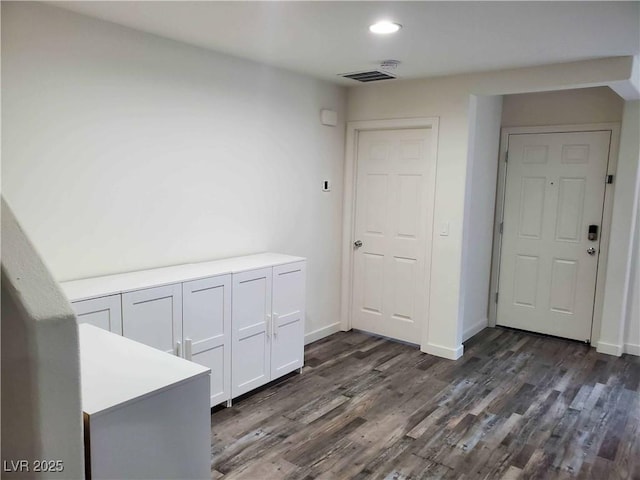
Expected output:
(154, 317)
(206, 323)
(102, 312)
(251, 314)
(287, 347)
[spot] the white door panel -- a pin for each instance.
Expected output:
(207, 330)
(251, 342)
(102, 312)
(554, 191)
(392, 221)
(153, 316)
(287, 348)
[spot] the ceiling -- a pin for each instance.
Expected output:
(324, 39)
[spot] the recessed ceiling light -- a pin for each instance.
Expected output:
(385, 27)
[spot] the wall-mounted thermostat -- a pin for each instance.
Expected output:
(326, 186)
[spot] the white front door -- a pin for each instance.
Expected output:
(554, 192)
(393, 215)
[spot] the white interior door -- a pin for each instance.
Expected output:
(554, 191)
(393, 214)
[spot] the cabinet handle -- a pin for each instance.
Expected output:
(268, 325)
(187, 348)
(178, 351)
(274, 321)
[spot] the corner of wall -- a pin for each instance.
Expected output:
(629, 89)
(474, 329)
(41, 406)
(444, 352)
(620, 262)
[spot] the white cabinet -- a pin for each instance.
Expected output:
(191, 320)
(251, 320)
(101, 312)
(153, 316)
(206, 323)
(146, 414)
(287, 346)
(241, 317)
(268, 325)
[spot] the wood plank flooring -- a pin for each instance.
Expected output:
(516, 405)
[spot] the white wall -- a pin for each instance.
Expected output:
(41, 409)
(632, 334)
(482, 167)
(448, 99)
(124, 151)
(620, 266)
(564, 107)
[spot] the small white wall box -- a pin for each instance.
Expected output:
(329, 117)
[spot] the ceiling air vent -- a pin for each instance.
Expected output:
(370, 76)
(375, 75)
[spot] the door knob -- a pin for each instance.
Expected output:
(591, 251)
(357, 243)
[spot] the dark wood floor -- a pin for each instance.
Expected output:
(515, 406)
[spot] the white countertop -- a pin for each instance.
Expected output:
(126, 282)
(115, 371)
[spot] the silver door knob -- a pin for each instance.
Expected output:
(357, 243)
(591, 251)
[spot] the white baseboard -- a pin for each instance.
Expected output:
(321, 333)
(474, 329)
(632, 349)
(444, 352)
(609, 348)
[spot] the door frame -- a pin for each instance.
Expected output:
(607, 210)
(349, 208)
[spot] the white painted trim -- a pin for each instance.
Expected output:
(607, 216)
(320, 333)
(349, 204)
(440, 351)
(609, 348)
(496, 249)
(632, 349)
(614, 128)
(474, 329)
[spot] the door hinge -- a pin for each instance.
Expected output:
(496, 297)
(501, 227)
(506, 156)
(609, 178)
